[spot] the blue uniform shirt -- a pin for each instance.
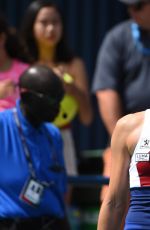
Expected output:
(14, 170)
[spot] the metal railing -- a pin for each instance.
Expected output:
(88, 180)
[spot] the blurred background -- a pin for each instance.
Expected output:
(87, 22)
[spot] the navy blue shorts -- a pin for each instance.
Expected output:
(137, 227)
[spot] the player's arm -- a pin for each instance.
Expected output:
(114, 204)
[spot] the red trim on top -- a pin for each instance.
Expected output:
(144, 173)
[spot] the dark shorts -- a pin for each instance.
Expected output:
(136, 226)
(42, 223)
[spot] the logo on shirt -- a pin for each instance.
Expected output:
(142, 157)
(145, 143)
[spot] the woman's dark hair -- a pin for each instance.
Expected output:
(13, 44)
(63, 53)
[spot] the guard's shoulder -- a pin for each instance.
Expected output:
(52, 129)
(5, 114)
(120, 27)
(118, 34)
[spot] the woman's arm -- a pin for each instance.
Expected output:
(115, 202)
(80, 90)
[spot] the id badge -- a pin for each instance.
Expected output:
(32, 192)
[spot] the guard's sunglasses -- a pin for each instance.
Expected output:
(139, 6)
(45, 97)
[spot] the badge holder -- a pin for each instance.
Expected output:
(32, 192)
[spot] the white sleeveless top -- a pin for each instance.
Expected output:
(139, 170)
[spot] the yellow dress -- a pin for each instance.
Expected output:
(68, 107)
(68, 111)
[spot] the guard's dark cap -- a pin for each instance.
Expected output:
(131, 2)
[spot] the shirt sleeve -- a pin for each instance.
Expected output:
(108, 65)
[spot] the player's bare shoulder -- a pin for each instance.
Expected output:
(130, 126)
(131, 121)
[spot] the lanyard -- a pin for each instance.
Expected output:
(55, 167)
